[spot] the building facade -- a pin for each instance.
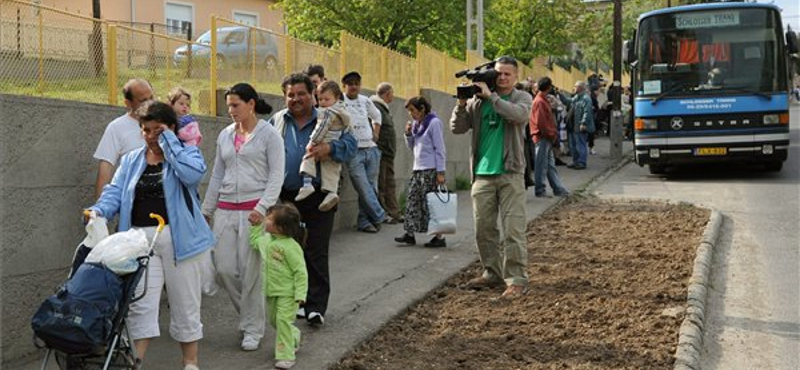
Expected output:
(178, 16)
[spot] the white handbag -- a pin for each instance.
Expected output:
(443, 211)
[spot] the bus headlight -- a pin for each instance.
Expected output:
(771, 119)
(767, 149)
(645, 124)
(655, 153)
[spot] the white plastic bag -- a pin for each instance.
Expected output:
(96, 230)
(443, 210)
(119, 251)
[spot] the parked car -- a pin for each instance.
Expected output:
(234, 47)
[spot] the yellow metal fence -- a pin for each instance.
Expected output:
(52, 53)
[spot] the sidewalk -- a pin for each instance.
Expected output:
(373, 280)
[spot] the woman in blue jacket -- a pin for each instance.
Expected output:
(162, 177)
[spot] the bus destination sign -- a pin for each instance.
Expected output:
(702, 20)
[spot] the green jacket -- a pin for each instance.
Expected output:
(284, 267)
(516, 112)
(387, 140)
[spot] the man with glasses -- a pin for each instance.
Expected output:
(497, 120)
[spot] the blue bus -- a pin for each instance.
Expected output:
(711, 84)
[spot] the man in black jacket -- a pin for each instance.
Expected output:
(387, 143)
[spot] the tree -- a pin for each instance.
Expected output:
(396, 24)
(596, 28)
(531, 28)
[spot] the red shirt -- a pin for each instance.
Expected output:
(542, 123)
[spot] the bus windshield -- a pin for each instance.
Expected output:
(735, 50)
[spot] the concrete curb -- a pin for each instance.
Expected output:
(690, 336)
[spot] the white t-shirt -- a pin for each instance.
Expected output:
(121, 136)
(361, 111)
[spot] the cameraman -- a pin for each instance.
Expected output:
(498, 121)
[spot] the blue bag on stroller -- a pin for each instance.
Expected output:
(79, 318)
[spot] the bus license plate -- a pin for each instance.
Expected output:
(711, 151)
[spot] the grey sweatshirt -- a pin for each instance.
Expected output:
(255, 172)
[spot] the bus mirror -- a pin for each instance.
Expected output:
(628, 54)
(791, 41)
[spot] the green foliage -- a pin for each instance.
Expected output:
(531, 28)
(396, 24)
(596, 28)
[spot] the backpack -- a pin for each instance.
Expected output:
(79, 318)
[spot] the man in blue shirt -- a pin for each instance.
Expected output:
(295, 124)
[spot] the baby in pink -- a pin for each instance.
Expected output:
(188, 128)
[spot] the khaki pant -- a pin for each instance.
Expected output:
(501, 196)
(387, 188)
(331, 171)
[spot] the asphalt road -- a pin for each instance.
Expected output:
(753, 317)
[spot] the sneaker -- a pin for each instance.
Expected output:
(514, 291)
(389, 220)
(315, 318)
(371, 229)
(481, 282)
(250, 343)
(592, 151)
(190, 367)
(436, 243)
(304, 192)
(407, 239)
(284, 364)
(301, 313)
(543, 195)
(330, 201)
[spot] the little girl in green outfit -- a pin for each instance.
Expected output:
(285, 279)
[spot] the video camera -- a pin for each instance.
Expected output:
(482, 73)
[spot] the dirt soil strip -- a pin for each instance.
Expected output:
(608, 291)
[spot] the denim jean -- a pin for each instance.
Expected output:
(545, 165)
(364, 168)
(578, 149)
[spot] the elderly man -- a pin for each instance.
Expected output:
(295, 124)
(582, 124)
(387, 143)
(497, 120)
(123, 134)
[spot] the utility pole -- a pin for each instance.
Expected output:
(615, 131)
(96, 41)
(475, 19)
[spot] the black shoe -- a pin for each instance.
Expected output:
(436, 243)
(559, 162)
(407, 239)
(315, 319)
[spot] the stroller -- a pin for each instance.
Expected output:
(116, 350)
